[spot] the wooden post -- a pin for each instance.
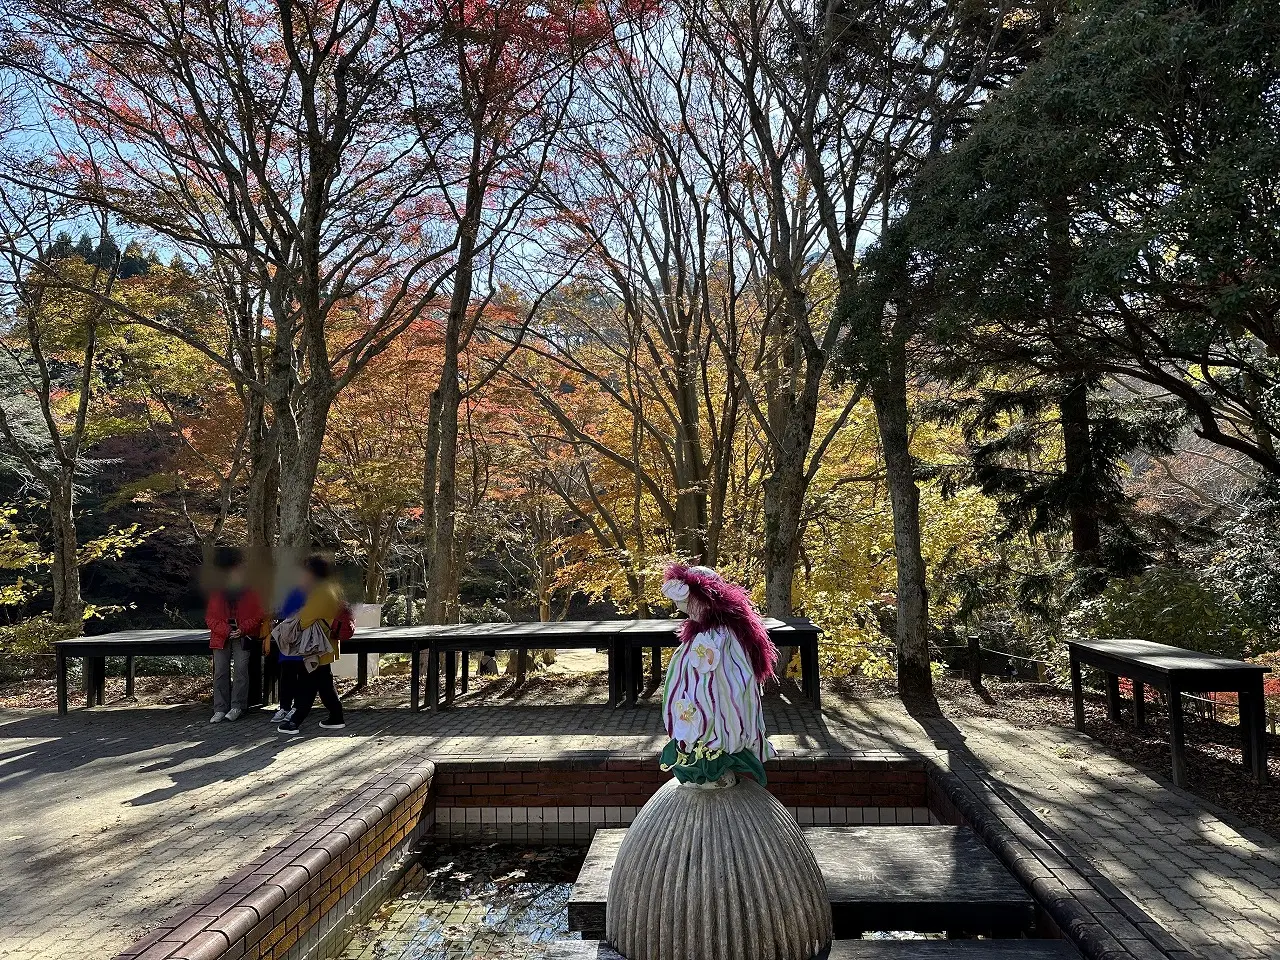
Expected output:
(128, 676)
(433, 679)
(466, 670)
(1113, 698)
(100, 680)
(1077, 691)
(809, 671)
(451, 675)
(1139, 704)
(1176, 744)
(415, 676)
(975, 661)
(257, 676)
(635, 670)
(61, 661)
(1245, 703)
(1256, 754)
(615, 668)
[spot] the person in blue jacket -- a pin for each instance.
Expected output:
(289, 668)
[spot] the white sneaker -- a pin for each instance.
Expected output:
(280, 716)
(218, 717)
(233, 714)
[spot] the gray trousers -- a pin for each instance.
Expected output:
(231, 679)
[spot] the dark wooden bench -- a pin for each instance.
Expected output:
(128, 644)
(623, 639)
(1175, 671)
(798, 632)
(412, 640)
(927, 879)
(449, 640)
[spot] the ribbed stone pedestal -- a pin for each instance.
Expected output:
(716, 873)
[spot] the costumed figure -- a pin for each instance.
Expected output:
(712, 698)
(705, 865)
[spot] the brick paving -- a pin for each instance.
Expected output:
(1211, 881)
(115, 817)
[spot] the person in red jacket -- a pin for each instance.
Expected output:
(234, 616)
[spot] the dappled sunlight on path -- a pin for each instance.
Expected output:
(1207, 878)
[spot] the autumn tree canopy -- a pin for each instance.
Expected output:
(908, 315)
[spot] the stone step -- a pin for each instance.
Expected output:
(875, 950)
(916, 878)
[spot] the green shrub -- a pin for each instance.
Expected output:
(1172, 606)
(34, 635)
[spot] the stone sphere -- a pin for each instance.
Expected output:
(716, 873)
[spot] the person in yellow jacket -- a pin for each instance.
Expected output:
(325, 603)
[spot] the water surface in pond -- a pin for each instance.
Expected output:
(485, 901)
(491, 901)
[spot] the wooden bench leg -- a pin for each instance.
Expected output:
(62, 683)
(257, 677)
(433, 680)
(522, 664)
(128, 677)
(451, 675)
(1077, 692)
(415, 677)
(635, 669)
(809, 673)
(1113, 698)
(1254, 724)
(615, 673)
(362, 670)
(466, 670)
(100, 680)
(1176, 745)
(1139, 705)
(1245, 700)
(655, 669)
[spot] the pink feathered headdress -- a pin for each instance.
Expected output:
(720, 603)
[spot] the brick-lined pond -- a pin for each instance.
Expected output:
(484, 900)
(470, 901)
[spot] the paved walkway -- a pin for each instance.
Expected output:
(1209, 880)
(112, 818)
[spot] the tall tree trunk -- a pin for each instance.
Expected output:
(1261, 429)
(373, 575)
(68, 606)
(430, 463)
(1073, 401)
(442, 582)
(786, 487)
(264, 480)
(691, 480)
(889, 397)
(784, 492)
(1077, 448)
(301, 437)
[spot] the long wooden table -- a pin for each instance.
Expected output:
(623, 639)
(797, 632)
(1175, 671)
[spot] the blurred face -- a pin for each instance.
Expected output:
(235, 578)
(306, 579)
